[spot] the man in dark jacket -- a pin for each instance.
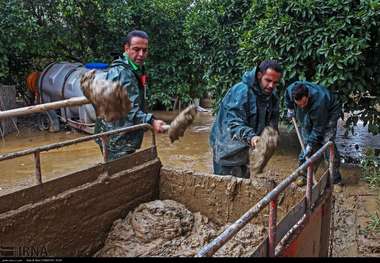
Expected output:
(245, 110)
(130, 72)
(317, 110)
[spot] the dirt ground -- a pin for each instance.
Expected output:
(352, 209)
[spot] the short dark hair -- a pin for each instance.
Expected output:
(270, 64)
(300, 91)
(134, 33)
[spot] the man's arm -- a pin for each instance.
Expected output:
(237, 119)
(318, 115)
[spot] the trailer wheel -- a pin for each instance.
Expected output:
(43, 122)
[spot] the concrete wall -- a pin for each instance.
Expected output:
(221, 198)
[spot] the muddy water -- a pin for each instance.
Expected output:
(189, 152)
(54, 163)
(353, 146)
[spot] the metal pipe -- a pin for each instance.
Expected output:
(37, 164)
(298, 133)
(300, 139)
(272, 227)
(104, 139)
(230, 231)
(75, 101)
(331, 164)
(309, 187)
(45, 148)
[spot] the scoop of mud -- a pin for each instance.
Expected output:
(179, 125)
(110, 98)
(267, 144)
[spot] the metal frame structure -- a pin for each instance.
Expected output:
(277, 239)
(271, 200)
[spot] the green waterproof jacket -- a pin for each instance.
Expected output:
(321, 113)
(243, 113)
(122, 144)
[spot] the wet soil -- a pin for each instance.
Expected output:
(353, 205)
(355, 201)
(168, 228)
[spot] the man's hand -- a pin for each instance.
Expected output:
(157, 126)
(290, 114)
(305, 154)
(308, 151)
(254, 141)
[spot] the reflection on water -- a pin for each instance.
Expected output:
(189, 152)
(353, 145)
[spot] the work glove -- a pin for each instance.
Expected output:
(290, 114)
(305, 154)
(308, 151)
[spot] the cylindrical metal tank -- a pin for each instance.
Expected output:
(61, 80)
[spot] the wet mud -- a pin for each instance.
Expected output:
(110, 98)
(179, 125)
(168, 228)
(264, 150)
(353, 205)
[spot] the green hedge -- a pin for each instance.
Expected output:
(203, 47)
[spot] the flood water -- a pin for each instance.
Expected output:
(190, 152)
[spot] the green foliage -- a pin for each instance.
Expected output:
(213, 33)
(203, 47)
(333, 43)
(370, 166)
(169, 63)
(373, 226)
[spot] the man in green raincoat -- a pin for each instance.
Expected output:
(130, 72)
(247, 108)
(317, 110)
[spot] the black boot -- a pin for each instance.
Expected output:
(337, 178)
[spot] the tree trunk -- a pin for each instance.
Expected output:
(7, 102)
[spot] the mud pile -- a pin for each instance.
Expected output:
(167, 228)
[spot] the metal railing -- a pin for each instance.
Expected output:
(271, 199)
(103, 137)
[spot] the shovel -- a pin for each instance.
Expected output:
(301, 142)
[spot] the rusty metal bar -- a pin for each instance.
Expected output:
(104, 139)
(331, 164)
(45, 148)
(75, 101)
(37, 164)
(272, 227)
(309, 187)
(292, 231)
(230, 231)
